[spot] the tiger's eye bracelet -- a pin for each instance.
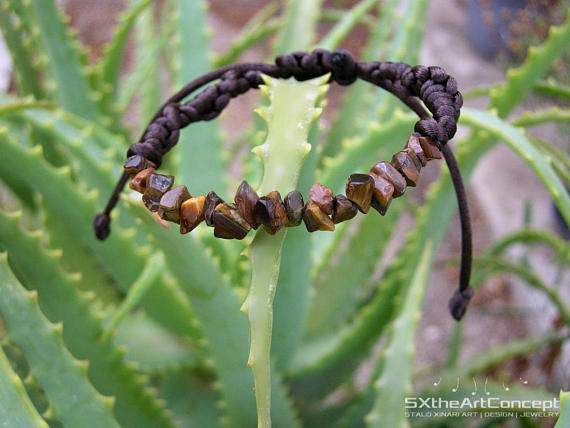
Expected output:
(416, 87)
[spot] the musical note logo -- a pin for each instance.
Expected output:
(475, 383)
(524, 382)
(437, 383)
(505, 387)
(486, 392)
(456, 386)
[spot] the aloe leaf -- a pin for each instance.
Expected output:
(333, 299)
(520, 80)
(152, 348)
(529, 237)
(64, 378)
(357, 99)
(16, 410)
(396, 374)
(564, 418)
(517, 140)
(215, 306)
(551, 87)
(289, 118)
(73, 90)
(148, 44)
(554, 114)
(199, 149)
(301, 18)
(341, 29)
(118, 255)
(110, 66)
(19, 43)
(61, 301)
(256, 29)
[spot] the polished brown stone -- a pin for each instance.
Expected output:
(414, 158)
(191, 213)
(158, 184)
(387, 171)
(316, 219)
(343, 209)
(430, 148)
(228, 223)
(406, 166)
(138, 182)
(245, 200)
(413, 143)
(294, 206)
(359, 190)
(152, 203)
(170, 203)
(137, 163)
(322, 196)
(382, 196)
(271, 212)
(210, 204)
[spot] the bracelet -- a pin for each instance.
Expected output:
(416, 87)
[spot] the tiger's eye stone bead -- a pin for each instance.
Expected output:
(152, 203)
(137, 163)
(382, 196)
(359, 189)
(245, 200)
(228, 223)
(414, 158)
(191, 213)
(430, 148)
(270, 211)
(138, 182)
(315, 218)
(388, 172)
(343, 209)
(158, 184)
(405, 164)
(171, 202)
(294, 206)
(413, 143)
(322, 196)
(210, 204)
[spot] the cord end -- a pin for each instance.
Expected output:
(459, 302)
(102, 226)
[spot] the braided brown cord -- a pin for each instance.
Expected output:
(416, 87)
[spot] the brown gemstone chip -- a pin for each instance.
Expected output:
(387, 171)
(343, 209)
(294, 206)
(158, 184)
(137, 163)
(430, 148)
(152, 203)
(170, 203)
(382, 195)
(316, 219)
(405, 164)
(414, 158)
(322, 196)
(191, 213)
(270, 211)
(228, 223)
(210, 204)
(359, 190)
(138, 182)
(245, 200)
(413, 143)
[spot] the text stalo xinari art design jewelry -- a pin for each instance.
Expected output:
(418, 87)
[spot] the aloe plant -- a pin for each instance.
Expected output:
(146, 328)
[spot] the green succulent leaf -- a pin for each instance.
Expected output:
(564, 418)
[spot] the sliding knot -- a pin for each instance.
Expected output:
(458, 303)
(102, 226)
